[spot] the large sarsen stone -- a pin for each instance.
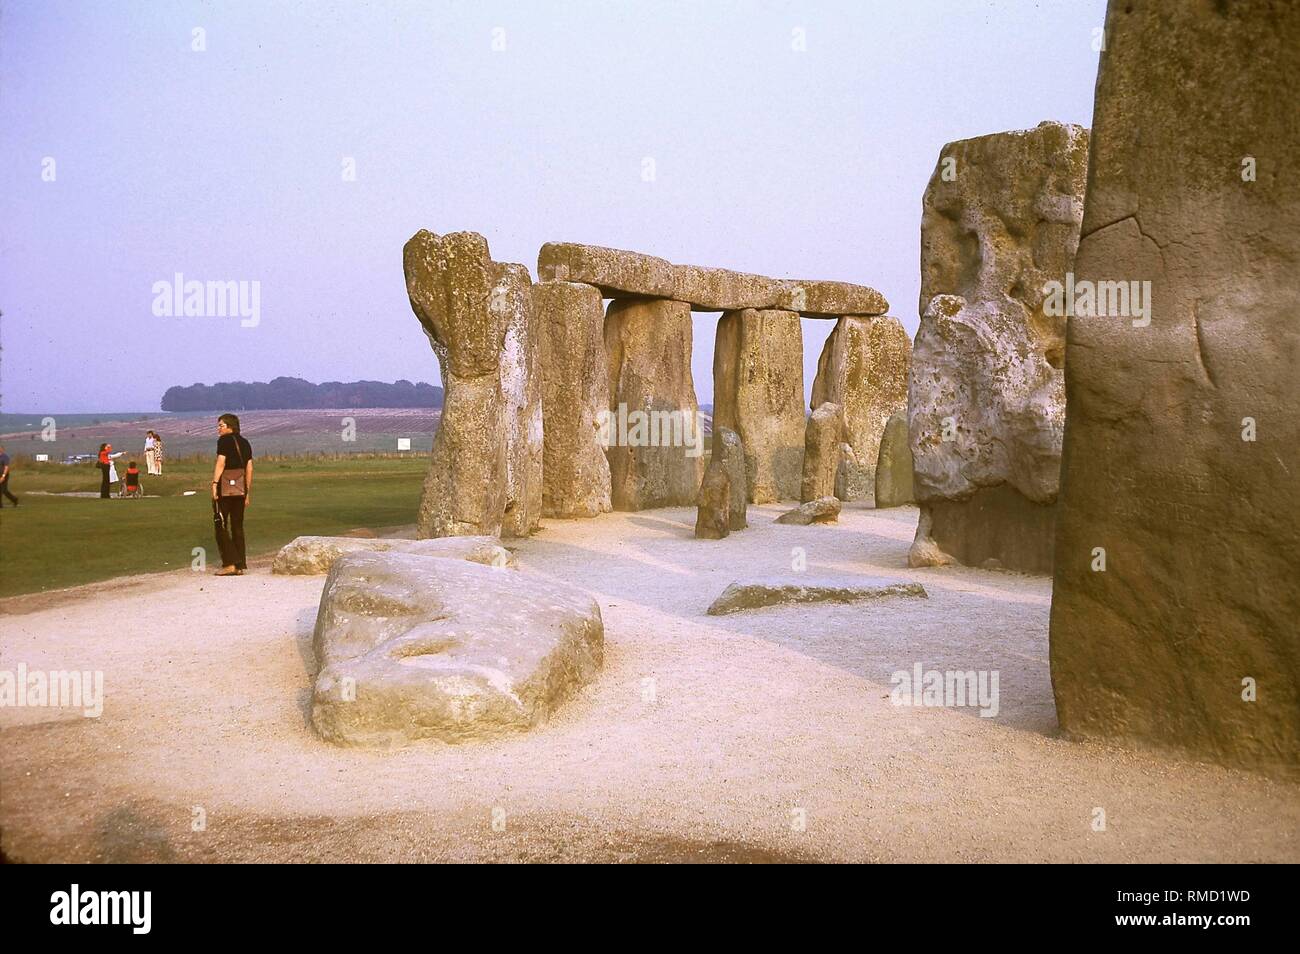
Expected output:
(575, 398)
(986, 394)
(654, 433)
(758, 393)
(485, 471)
(1176, 598)
(863, 368)
(415, 648)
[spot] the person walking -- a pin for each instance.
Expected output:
(4, 477)
(104, 464)
(150, 463)
(232, 484)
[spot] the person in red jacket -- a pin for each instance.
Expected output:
(104, 464)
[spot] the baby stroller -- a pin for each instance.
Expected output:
(131, 484)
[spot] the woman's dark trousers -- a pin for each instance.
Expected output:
(230, 532)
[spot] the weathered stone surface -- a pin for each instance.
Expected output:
(894, 465)
(730, 453)
(485, 470)
(821, 510)
(1196, 610)
(447, 279)
(863, 368)
(575, 397)
(822, 299)
(315, 555)
(851, 477)
(994, 523)
(655, 439)
(986, 391)
(713, 516)
(521, 391)
(618, 273)
(778, 591)
(758, 392)
(821, 452)
(412, 648)
(925, 551)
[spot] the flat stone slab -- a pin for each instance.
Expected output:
(412, 648)
(788, 591)
(312, 556)
(616, 273)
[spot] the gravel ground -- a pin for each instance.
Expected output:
(764, 736)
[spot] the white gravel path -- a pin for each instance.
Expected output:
(766, 735)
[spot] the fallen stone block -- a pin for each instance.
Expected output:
(312, 556)
(781, 591)
(821, 510)
(411, 648)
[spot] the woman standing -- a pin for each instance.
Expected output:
(150, 464)
(157, 453)
(232, 485)
(104, 464)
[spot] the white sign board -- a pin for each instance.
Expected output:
(403, 443)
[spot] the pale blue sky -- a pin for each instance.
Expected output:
(227, 163)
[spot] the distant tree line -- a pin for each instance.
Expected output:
(295, 393)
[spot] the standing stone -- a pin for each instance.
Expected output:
(894, 466)
(1181, 467)
(575, 399)
(863, 368)
(851, 477)
(713, 518)
(821, 452)
(656, 442)
(450, 280)
(986, 401)
(730, 453)
(758, 392)
(521, 392)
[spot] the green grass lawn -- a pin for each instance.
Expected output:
(52, 542)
